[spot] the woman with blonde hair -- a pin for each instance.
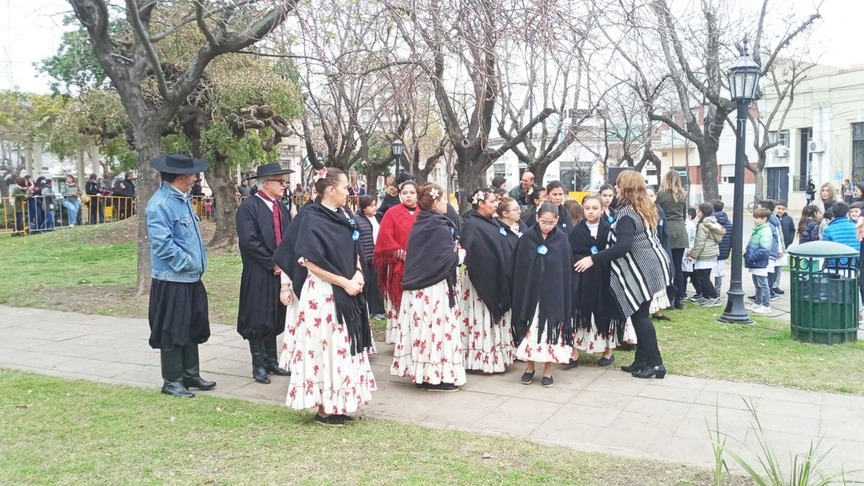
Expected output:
(640, 268)
(673, 200)
(827, 196)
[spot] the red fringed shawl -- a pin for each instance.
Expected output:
(392, 237)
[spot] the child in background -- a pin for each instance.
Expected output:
(725, 245)
(756, 259)
(855, 211)
(687, 262)
(704, 252)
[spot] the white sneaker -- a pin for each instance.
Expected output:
(760, 309)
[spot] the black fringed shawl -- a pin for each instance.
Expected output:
(591, 289)
(431, 255)
(544, 279)
(488, 255)
(328, 241)
(286, 255)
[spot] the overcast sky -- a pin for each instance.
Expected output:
(31, 30)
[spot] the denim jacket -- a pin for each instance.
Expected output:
(176, 249)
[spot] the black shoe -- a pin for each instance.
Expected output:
(636, 366)
(679, 304)
(572, 364)
(259, 370)
(658, 372)
(752, 298)
(172, 373)
(330, 420)
(546, 382)
(527, 378)
(351, 418)
(661, 317)
(271, 360)
(443, 387)
(606, 361)
(176, 389)
(778, 291)
(191, 370)
(421, 385)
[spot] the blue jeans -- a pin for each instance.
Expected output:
(763, 293)
(72, 206)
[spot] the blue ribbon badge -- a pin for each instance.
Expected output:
(502, 231)
(542, 250)
(594, 249)
(355, 235)
(610, 218)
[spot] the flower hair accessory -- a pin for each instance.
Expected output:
(319, 174)
(434, 193)
(479, 197)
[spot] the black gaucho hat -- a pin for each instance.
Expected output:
(179, 164)
(267, 170)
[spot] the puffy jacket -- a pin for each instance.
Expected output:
(777, 237)
(726, 242)
(810, 233)
(759, 247)
(787, 225)
(709, 234)
(842, 230)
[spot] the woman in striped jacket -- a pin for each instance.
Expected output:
(640, 268)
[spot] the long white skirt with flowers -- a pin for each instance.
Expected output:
(592, 341)
(659, 301)
(323, 371)
(428, 346)
(543, 351)
(287, 349)
(488, 347)
(392, 332)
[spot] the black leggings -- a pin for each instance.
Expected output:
(647, 350)
(678, 274)
(706, 286)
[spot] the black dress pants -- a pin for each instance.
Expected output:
(647, 350)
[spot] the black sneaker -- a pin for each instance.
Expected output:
(330, 420)
(778, 291)
(752, 298)
(606, 361)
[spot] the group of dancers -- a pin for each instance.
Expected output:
(469, 294)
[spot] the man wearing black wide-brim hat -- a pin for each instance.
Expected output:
(261, 223)
(178, 313)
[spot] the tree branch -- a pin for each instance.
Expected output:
(144, 38)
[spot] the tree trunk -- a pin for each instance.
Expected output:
(148, 143)
(708, 165)
(226, 206)
(539, 171)
(760, 181)
(372, 173)
(471, 174)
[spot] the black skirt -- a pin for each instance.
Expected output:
(178, 314)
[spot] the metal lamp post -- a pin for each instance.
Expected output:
(743, 81)
(397, 147)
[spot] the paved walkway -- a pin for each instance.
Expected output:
(589, 408)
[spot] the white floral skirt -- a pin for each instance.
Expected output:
(629, 335)
(592, 341)
(543, 351)
(488, 347)
(428, 346)
(659, 301)
(287, 349)
(323, 371)
(391, 334)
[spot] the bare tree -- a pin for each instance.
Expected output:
(456, 44)
(693, 51)
(151, 90)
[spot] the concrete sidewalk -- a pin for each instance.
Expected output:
(589, 408)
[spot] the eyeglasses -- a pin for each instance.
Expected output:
(547, 223)
(279, 181)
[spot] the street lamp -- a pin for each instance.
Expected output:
(396, 147)
(743, 80)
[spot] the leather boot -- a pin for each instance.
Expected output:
(191, 370)
(259, 370)
(172, 373)
(271, 363)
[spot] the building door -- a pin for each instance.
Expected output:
(778, 183)
(804, 159)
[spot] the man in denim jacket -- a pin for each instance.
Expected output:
(178, 314)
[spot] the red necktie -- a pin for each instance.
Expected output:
(277, 217)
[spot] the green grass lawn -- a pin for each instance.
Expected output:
(55, 431)
(93, 270)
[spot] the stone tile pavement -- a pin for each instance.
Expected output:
(588, 409)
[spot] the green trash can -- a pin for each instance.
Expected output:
(824, 292)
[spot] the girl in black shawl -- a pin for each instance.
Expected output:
(542, 305)
(428, 346)
(597, 327)
(556, 195)
(485, 291)
(330, 365)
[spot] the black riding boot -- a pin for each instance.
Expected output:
(272, 358)
(172, 373)
(191, 370)
(259, 369)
